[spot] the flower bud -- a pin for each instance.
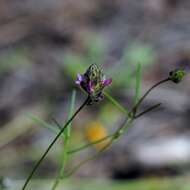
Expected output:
(93, 82)
(177, 75)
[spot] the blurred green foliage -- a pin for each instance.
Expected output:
(142, 184)
(78, 62)
(181, 183)
(125, 69)
(123, 72)
(12, 59)
(138, 53)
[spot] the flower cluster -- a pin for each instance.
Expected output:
(93, 82)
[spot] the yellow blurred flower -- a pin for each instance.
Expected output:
(96, 131)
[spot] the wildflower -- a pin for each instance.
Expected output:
(177, 75)
(93, 82)
(94, 132)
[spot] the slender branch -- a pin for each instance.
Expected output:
(88, 159)
(61, 172)
(138, 83)
(56, 122)
(65, 156)
(53, 142)
(89, 144)
(125, 124)
(116, 103)
(145, 95)
(147, 110)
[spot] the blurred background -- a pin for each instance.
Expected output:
(44, 44)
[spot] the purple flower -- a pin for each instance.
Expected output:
(79, 79)
(93, 82)
(107, 82)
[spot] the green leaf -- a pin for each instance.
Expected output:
(138, 82)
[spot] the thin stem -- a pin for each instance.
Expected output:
(116, 103)
(116, 135)
(53, 142)
(145, 95)
(61, 172)
(64, 156)
(138, 83)
(88, 159)
(57, 124)
(89, 144)
(147, 110)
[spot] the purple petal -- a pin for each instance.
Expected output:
(90, 89)
(107, 82)
(79, 79)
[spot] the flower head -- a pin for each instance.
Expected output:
(177, 75)
(93, 82)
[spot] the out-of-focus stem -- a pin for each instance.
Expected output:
(145, 95)
(89, 144)
(53, 142)
(147, 110)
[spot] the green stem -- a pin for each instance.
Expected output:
(145, 95)
(147, 110)
(115, 136)
(88, 159)
(64, 156)
(53, 142)
(89, 144)
(116, 103)
(61, 173)
(138, 82)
